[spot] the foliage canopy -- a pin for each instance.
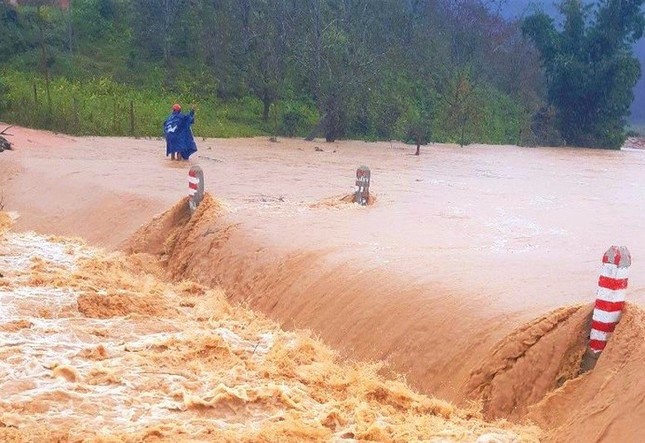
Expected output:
(590, 67)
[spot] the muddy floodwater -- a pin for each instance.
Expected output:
(461, 247)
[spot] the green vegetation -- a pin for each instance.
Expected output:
(415, 70)
(102, 107)
(590, 68)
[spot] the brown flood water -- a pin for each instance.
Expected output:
(97, 347)
(462, 246)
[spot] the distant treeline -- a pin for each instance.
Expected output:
(414, 70)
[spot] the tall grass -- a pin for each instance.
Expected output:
(101, 106)
(104, 107)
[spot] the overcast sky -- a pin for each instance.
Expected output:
(519, 8)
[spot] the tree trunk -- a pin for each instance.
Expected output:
(43, 61)
(70, 30)
(317, 40)
(418, 148)
(245, 7)
(131, 118)
(265, 109)
(329, 127)
(168, 13)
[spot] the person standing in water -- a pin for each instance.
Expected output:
(180, 143)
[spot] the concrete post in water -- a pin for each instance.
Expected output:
(195, 187)
(363, 183)
(610, 298)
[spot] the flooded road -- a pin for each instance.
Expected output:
(461, 246)
(528, 222)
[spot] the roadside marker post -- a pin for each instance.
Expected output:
(195, 187)
(610, 298)
(363, 176)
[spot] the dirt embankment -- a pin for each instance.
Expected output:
(531, 362)
(533, 373)
(607, 403)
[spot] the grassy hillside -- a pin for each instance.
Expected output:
(278, 67)
(102, 106)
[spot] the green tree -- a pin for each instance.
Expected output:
(44, 17)
(417, 125)
(267, 52)
(13, 33)
(463, 109)
(338, 68)
(92, 20)
(164, 33)
(590, 68)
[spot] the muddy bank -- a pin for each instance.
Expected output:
(607, 403)
(530, 362)
(535, 373)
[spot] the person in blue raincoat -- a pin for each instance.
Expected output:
(180, 143)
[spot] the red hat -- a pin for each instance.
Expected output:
(176, 107)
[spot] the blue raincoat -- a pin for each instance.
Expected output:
(179, 135)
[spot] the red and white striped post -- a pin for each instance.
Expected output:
(610, 298)
(195, 187)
